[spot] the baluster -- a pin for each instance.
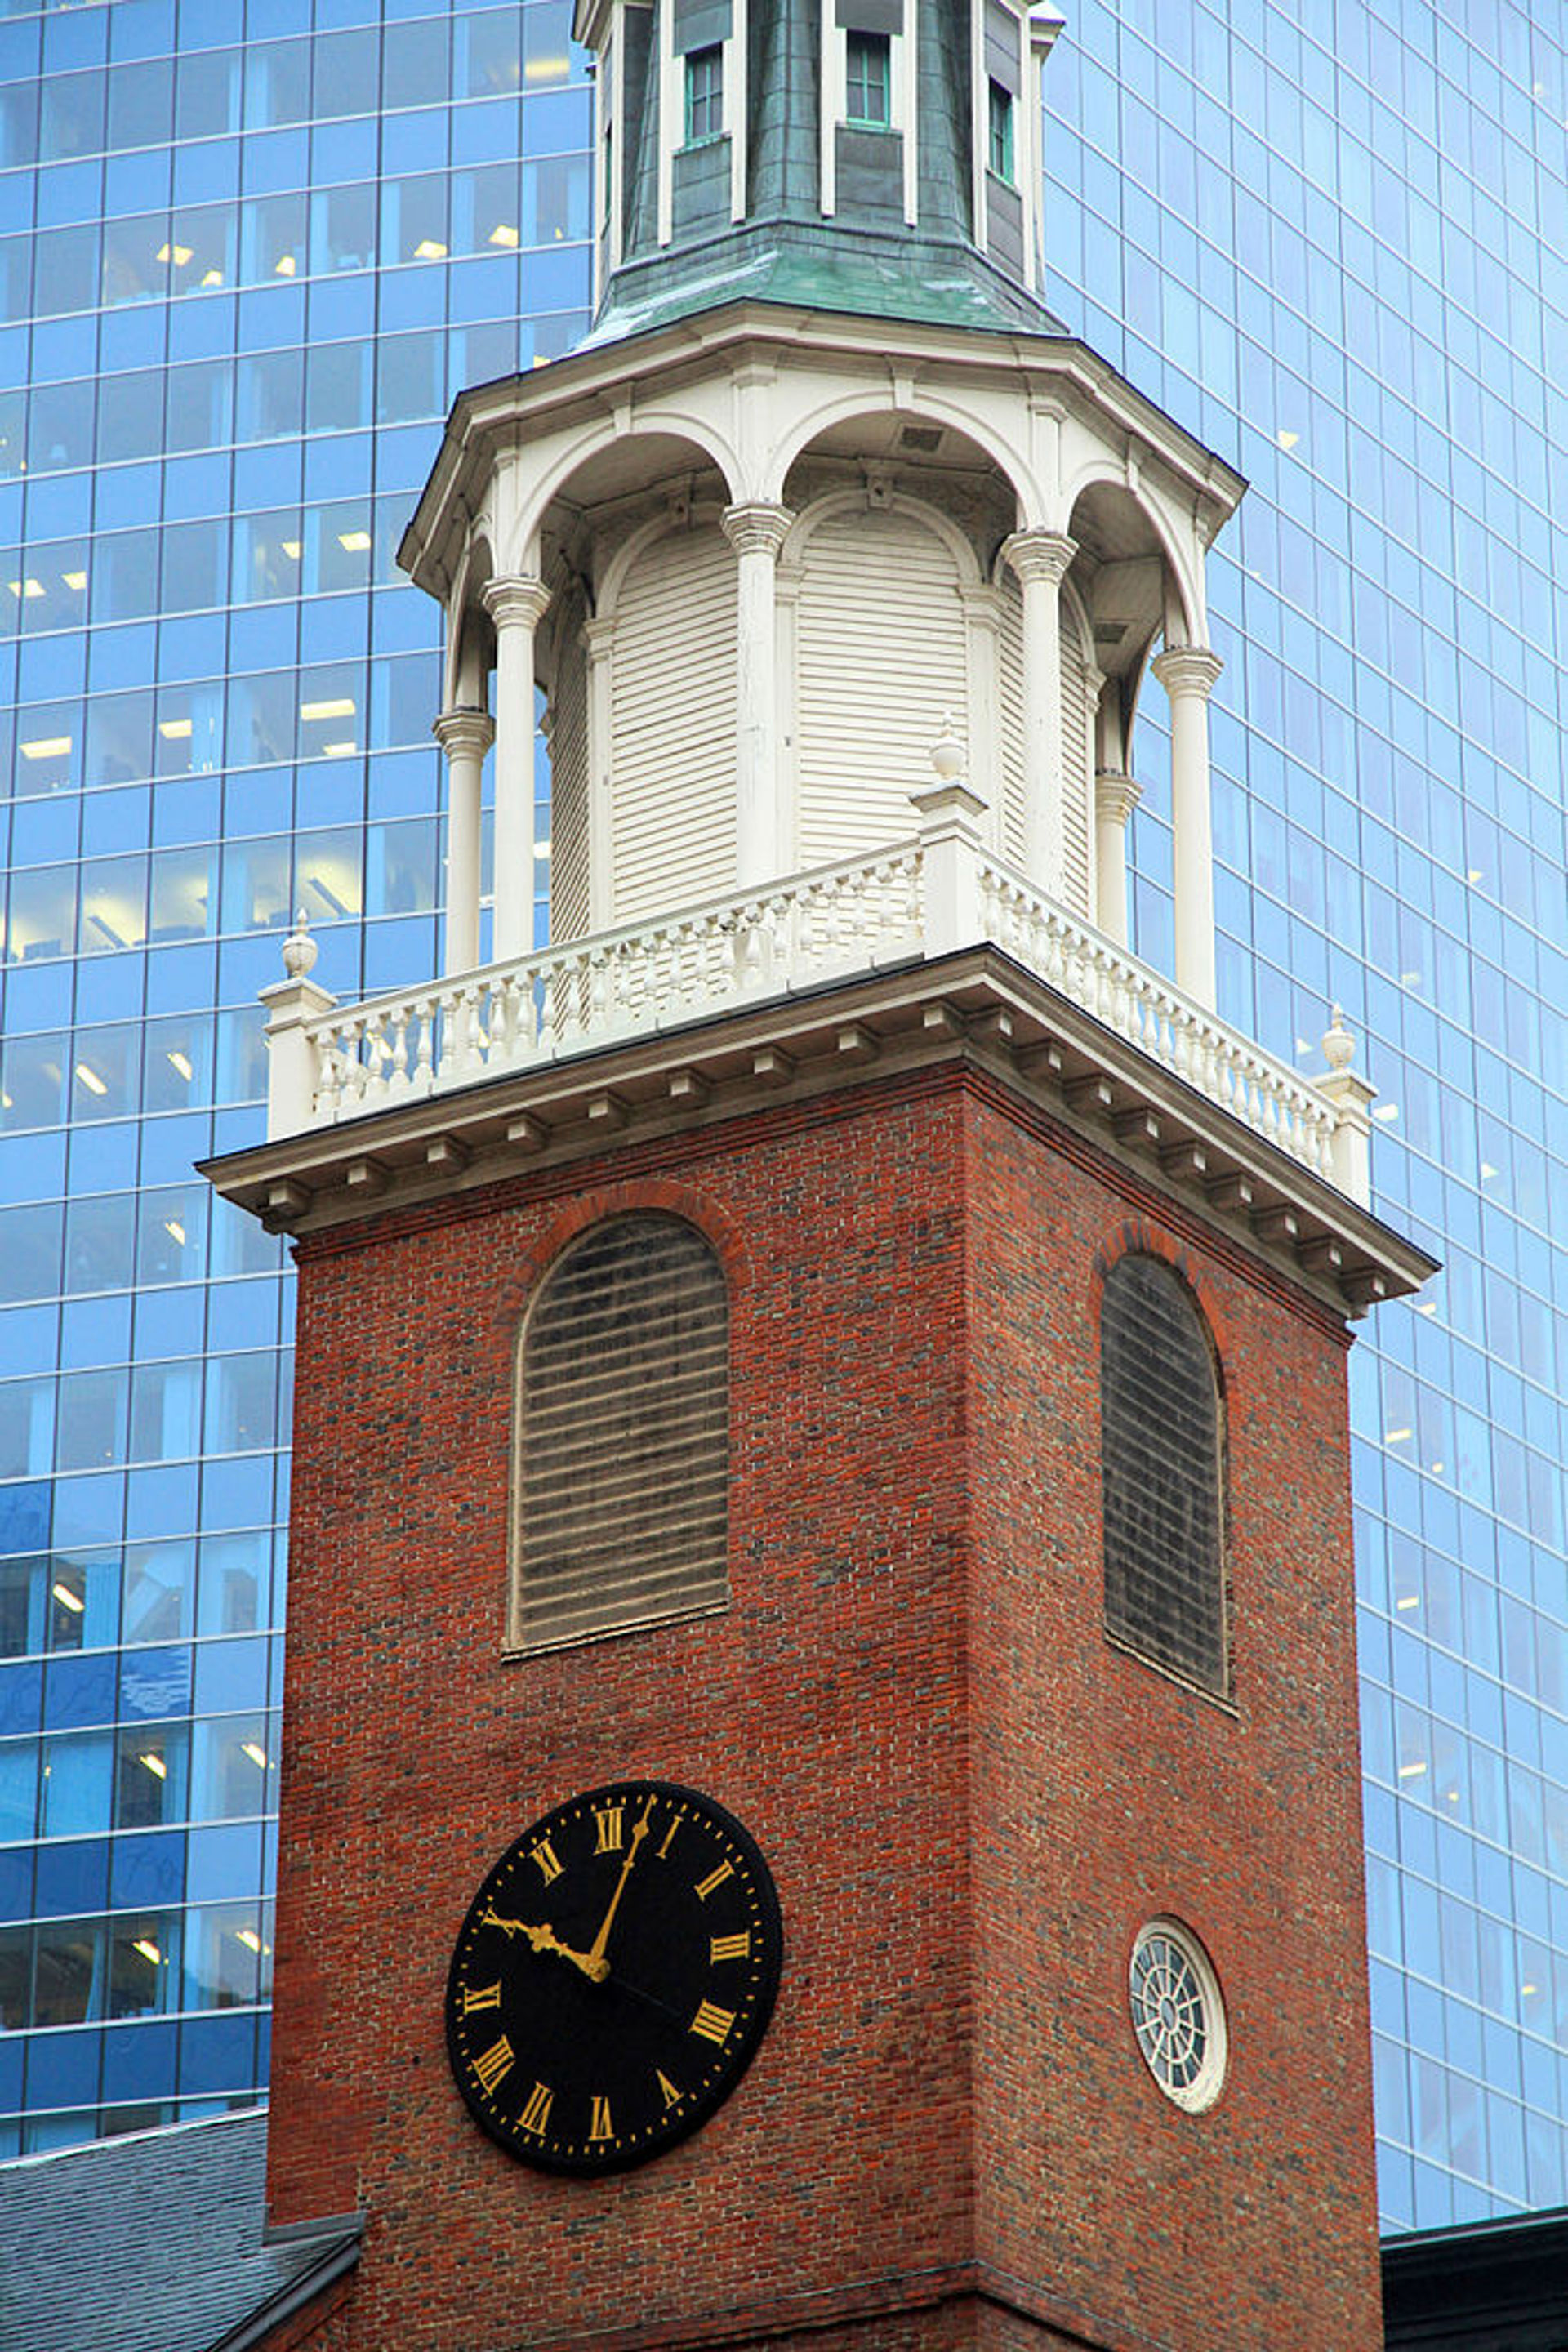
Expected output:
(377, 1054)
(545, 986)
(749, 944)
(505, 998)
(397, 1070)
(328, 1084)
(424, 1015)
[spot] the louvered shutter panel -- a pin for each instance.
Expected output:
(622, 1507)
(881, 659)
(569, 785)
(674, 703)
(1161, 1455)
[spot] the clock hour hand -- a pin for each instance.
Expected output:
(593, 1965)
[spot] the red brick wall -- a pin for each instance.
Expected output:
(1106, 1794)
(914, 1396)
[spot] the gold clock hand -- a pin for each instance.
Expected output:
(597, 1948)
(545, 1939)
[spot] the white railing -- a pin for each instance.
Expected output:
(941, 891)
(1147, 1010)
(604, 990)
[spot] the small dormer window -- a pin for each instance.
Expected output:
(1000, 143)
(704, 94)
(869, 79)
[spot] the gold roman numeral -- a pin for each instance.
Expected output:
(600, 2126)
(668, 1835)
(705, 1886)
(711, 2021)
(536, 2114)
(480, 1997)
(730, 1947)
(495, 2065)
(545, 1854)
(607, 1821)
(670, 2095)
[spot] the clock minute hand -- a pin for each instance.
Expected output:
(598, 1965)
(545, 1939)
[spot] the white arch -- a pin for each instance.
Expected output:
(704, 511)
(1184, 560)
(590, 440)
(932, 519)
(867, 403)
(475, 566)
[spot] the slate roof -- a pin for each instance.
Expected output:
(152, 2243)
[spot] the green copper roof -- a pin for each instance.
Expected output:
(819, 269)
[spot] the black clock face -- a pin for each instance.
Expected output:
(614, 1976)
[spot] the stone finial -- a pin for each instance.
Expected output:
(1339, 1043)
(299, 950)
(947, 751)
(1352, 1098)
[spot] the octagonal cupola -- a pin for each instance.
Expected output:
(873, 156)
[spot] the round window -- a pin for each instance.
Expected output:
(1177, 2014)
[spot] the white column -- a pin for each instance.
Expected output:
(465, 735)
(1188, 673)
(516, 606)
(1040, 559)
(757, 530)
(1115, 798)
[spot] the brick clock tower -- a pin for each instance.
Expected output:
(819, 1795)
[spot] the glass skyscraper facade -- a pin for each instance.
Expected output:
(247, 255)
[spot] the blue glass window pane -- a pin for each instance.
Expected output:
(21, 1697)
(72, 1877)
(148, 1870)
(79, 1691)
(217, 2053)
(139, 2062)
(16, 1884)
(63, 2069)
(155, 1682)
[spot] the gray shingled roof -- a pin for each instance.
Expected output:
(152, 2243)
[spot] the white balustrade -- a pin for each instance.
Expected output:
(939, 890)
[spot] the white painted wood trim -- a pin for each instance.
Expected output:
(617, 174)
(737, 49)
(786, 605)
(599, 641)
(603, 221)
(1029, 161)
(835, 98)
(983, 615)
(903, 71)
(979, 125)
(672, 122)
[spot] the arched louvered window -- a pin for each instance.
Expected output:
(1161, 1459)
(621, 1499)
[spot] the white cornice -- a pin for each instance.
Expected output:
(975, 1007)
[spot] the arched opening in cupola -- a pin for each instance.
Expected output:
(890, 625)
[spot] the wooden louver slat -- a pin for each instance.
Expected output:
(622, 1495)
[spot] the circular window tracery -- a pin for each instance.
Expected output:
(1178, 2015)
